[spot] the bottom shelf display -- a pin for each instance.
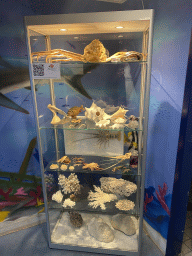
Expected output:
(103, 231)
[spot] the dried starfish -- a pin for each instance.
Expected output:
(92, 166)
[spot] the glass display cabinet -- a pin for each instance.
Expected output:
(90, 77)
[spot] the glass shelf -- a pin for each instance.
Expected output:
(73, 64)
(63, 127)
(82, 206)
(78, 169)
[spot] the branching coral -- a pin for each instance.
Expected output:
(70, 184)
(57, 196)
(117, 186)
(161, 197)
(99, 198)
(147, 201)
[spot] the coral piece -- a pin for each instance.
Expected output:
(95, 52)
(71, 168)
(92, 166)
(54, 166)
(74, 111)
(75, 219)
(64, 159)
(99, 198)
(100, 230)
(58, 197)
(117, 186)
(70, 184)
(125, 205)
(63, 167)
(147, 201)
(68, 203)
(161, 197)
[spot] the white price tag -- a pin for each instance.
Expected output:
(46, 71)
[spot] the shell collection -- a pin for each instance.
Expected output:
(108, 124)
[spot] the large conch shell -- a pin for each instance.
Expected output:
(95, 52)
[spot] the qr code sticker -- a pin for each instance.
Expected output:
(38, 70)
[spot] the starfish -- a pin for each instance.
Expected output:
(92, 166)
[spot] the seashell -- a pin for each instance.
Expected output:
(71, 168)
(55, 119)
(103, 123)
(124, 224)
(63, 167)
(64, 159)
(100, 230)
(120, 120)
(117, 126)
(54, 166)
(95, 113)
(119, 114)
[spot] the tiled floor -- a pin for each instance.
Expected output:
(187, 238)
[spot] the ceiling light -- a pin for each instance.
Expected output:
(76, 37)
(119, 27)
(63, 29)
(120, 36)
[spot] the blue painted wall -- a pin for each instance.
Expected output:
(172, 29)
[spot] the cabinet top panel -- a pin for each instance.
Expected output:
(90, 23)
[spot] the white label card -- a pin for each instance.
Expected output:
(46, 71)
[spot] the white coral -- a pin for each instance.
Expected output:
(68, 203)
(70, 184)
(117, 186)
(57, 196)
(99, 198)
(125, 205)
